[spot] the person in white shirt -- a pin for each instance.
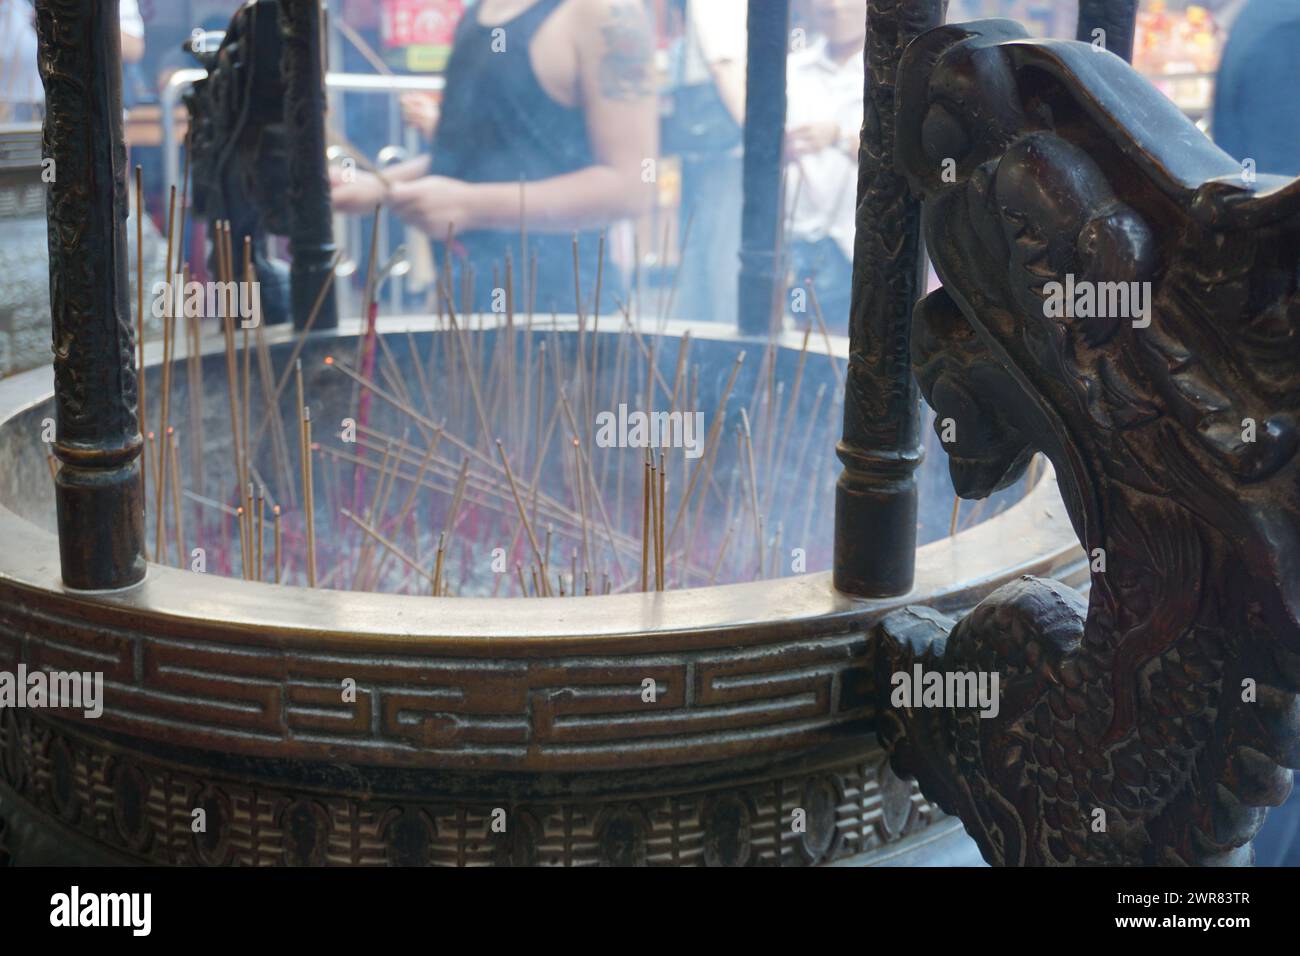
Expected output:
(132, 28)
(824, 88)
(716, 49)
(135, 86)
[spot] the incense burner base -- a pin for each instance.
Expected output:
(69, 798)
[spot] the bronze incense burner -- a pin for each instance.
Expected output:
(1150, 721)
(471, 714)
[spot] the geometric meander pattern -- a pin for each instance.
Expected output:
(577, 711)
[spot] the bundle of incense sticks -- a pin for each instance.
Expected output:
(480, 458)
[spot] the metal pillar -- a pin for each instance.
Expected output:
(760, 273)
(1118, 18)
(98, 491)
(876, 497)
(311, 228)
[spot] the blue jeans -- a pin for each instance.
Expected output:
(710, 269)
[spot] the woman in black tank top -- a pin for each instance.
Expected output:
(499, 126)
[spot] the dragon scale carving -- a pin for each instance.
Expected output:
(87, 189)
(1153, 721)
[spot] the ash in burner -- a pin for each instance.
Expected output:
(476, 456)
(464, 456)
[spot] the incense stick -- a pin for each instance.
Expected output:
(645, 521)
(174, 454)
(661, 566)
(384, 542)
(143, 388)
(275, 518)
(308, 500)
(753, 487)
(168, 333)
(826, 337)
(523, 515)
(261, 533)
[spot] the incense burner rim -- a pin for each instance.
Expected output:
(1034, 535)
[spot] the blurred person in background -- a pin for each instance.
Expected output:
(823, 121)
(556, 94)
(421, 111)
(135, 88)
(414, 23)
(1256, 100)
(1257, 116)
(22, 97)
(21, 93)
(24, 262)
(703, 128)
(132, 25)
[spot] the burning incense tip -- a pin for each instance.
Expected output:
(275, 510)
(329, 360)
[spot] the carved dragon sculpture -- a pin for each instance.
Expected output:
(1151, 722)
(239, 146)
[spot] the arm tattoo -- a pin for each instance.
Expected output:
(625, 64)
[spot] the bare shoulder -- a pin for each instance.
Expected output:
(617, 42)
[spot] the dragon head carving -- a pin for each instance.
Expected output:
(1119, 295)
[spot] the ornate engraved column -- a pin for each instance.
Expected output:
(98, 490)
(875, 500)
(311, 232)
(768, 40)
